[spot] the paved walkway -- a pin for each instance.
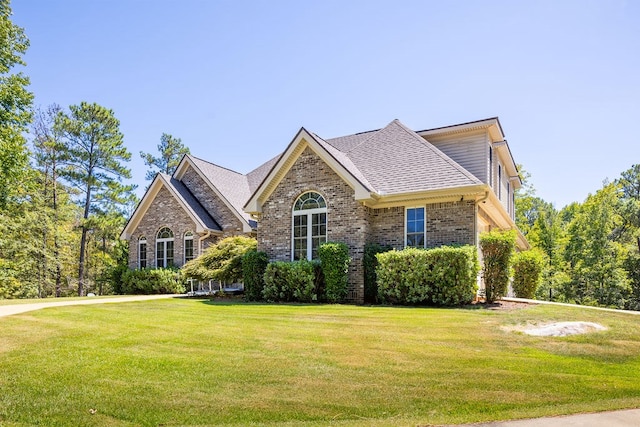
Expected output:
(8, 310)
(626, 418)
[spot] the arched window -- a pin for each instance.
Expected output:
(188, 246)
(309, 225)
(164, 248)
(142, 252)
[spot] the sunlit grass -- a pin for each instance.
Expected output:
(191, 362)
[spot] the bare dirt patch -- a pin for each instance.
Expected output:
(559, 329)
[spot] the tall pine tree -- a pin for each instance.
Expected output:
(94, 164)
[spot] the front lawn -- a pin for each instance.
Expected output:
(193, 362)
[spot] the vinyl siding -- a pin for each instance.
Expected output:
(470, 150)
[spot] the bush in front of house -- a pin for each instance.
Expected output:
(441, 276)
(370, 263)
(289, 282)
(222, 261)
(497, 248)
(254, 265)
(334, 261)
(527, 271)
(149, 281)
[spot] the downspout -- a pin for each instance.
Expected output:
(479, 279)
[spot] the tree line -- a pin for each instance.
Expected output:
(63, 192)
(591, 249)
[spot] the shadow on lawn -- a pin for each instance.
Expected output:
(237, 300)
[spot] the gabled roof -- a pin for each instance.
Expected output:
(193, 208)
(230, 186)
(397, 160)
(390, 161)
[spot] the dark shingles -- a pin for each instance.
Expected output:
(193, 203)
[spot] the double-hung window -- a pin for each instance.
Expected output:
(188, 246)
(142, 252)
(415, 227)
(164, 248)
(309, 225)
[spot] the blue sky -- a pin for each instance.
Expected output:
(235, 80)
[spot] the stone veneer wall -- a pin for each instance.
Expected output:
(231, 225)
(164, 211)
(347, 219)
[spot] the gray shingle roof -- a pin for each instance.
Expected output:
(386, 161)
(233, 186)
(188, 198)
(397, 160)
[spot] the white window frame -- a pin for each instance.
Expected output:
(142, 241)
(188, 237)
(424, 225)
(309, 213)
(164, 241)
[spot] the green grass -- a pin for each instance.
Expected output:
(192, 362)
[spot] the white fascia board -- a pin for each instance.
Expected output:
(158, 182)
(302, 140)
(182, 168)
(470, 192)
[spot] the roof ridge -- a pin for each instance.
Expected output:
(373, 133)
(215, 164)
(437, 151)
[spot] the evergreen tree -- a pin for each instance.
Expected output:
(171, 152)
(94, 165)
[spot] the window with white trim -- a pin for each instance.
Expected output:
(164, 248)
(188, 246)
(415, 227)
(142, 252)
(309, 225)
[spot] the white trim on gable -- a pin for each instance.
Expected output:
(182, 169)
(159, 182)
(300, 142)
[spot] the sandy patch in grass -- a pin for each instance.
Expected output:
(560, 329)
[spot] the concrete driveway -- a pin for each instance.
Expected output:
(625, 418)
(8, 310)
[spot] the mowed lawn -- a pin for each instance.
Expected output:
(193, 362)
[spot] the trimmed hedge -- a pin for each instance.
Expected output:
(334, 261)
(370, 263)
(441, 276)
(289, 282)
(254, 264)
(497, 249)
(527, 270)
(153, 281)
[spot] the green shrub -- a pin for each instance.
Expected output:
(254, 264)
(527, 271)
(221, 262)
(632, 266)
(153, 281)
(370, 263)
(497, 248)
(442, 276)
(334, 260)
(289, 282)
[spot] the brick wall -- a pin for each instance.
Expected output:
(347, 219)
(451, 223)
(387, 227)
(164, 211)
(231, 225)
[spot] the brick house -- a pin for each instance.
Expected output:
(392, 186)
